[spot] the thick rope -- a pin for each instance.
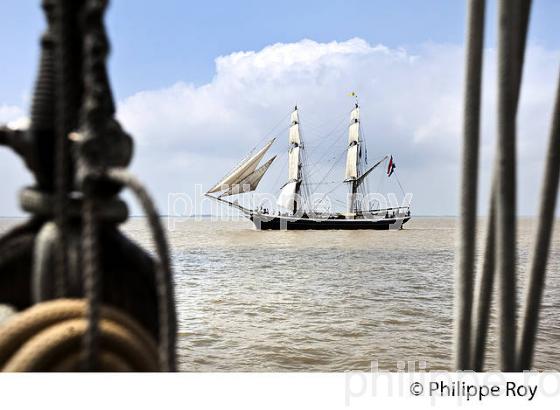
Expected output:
(467, 232)
(97, 110)
(108, 361)
(53, 344)
(164, 276)
(68, 96)
(537, 266)
(91, 257)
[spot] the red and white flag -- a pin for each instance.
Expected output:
(391, 167)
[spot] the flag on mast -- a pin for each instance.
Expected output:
(391, 167)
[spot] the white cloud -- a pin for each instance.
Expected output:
(13, 116)
(411, 107)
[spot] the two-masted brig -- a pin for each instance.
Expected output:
(295, 212)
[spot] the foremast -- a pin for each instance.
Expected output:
(290, 192)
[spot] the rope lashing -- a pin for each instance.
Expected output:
(48, 336)
(39, 203)
(72, 246)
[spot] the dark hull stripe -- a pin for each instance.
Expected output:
(302, 224)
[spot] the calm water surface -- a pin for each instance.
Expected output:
(326, 300)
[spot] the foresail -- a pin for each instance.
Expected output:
(287, 195)
(245, 169)
(251, 182)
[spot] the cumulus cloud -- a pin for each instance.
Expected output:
(190, 134)
(411, 107)
(13, 116)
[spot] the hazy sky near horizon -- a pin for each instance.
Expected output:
(198, 84)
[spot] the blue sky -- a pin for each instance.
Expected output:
(162, 42)
(168, 50)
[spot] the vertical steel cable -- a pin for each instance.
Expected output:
(486, 280)
(537, 266)
(467, 225)
(506, 194)
(484, 291)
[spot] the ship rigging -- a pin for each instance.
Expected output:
(297, 209)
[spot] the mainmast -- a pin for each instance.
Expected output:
(290, 191)
(353, 156)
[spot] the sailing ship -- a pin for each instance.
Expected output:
(294, 211)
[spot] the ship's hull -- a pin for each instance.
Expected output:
(267, 222)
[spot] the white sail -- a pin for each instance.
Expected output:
(251, 182)
(246, 168)
(290, 190)
(293, 163)
(353, 145)
(355, 114)
(294, 118)
(352, 162)
(354, 132)
(354, 128)
(294, 137)
(287, 195)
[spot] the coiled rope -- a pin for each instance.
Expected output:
(48, 337)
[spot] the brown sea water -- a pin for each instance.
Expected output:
(327, 300)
